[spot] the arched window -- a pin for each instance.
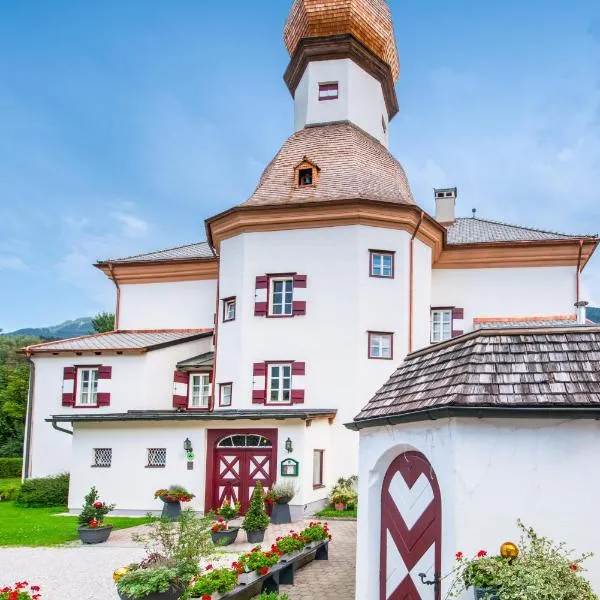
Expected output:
(244, 441)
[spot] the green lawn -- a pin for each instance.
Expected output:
(10, 482)
(331, 513)
(38, 527)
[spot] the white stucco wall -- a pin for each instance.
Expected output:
(131, 485)
(169, 305)
(515, 292)
(343, 304)
(360, 98)
(491, 473)
(138, 382)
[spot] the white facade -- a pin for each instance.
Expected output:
(491, 472)
(169, 305)
(360, 98)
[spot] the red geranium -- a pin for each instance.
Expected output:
(459, 555)
(573, 567)
(481, 554)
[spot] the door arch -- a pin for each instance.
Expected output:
(236, 461)
(411, 530)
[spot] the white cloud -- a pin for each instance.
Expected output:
(13, 263)
(131, 226)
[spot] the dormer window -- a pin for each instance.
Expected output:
(305, 177)
(328, 91)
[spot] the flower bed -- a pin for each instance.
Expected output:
(21, 590)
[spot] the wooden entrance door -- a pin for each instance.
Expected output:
(411, 530)
(237, 460)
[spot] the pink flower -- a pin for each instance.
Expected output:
(459, 555)
(481, 554)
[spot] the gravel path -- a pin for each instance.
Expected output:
(76, 572)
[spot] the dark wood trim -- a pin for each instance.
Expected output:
(336, 47)
(221, 385)
(225, 301)
(371, 333)
(391, 253)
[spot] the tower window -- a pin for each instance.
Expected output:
(305, 177)
(328, 91)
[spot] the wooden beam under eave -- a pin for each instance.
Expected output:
(161, 271)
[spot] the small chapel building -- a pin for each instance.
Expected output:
(240, 358)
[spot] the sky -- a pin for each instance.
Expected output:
(123, 125)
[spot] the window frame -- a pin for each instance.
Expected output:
(96, 465)
(270, 293)
(202, 374)
(312, 177)
(441, 310)
(382, 253)
(269, 366)
(381, 333)
(151, 466)
(227, 302)
(326, 86)
(222, 386)
(78, 382)
(320, 484)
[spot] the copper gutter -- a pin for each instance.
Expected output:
(26, 472)
(411, 300)
(578, 274)
(215, 340)
(118, 307)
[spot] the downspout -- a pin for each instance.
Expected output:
(216, 339)
(578, 274)
(411, 278)
(58, 428)
(26, 472)
(118, 308)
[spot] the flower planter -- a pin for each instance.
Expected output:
(284, 500)
(94, 535)
(310, 546)
(171, 510)
(248, 578)
(486, 594)
(281, 514)
(173, 593)
(225, 537)
(290, 556)
(256, 537)
(340, 507)
(213, 596)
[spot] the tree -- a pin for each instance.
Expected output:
(103, 322)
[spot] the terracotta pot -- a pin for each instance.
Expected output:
(339, 506)
(94, 535)
(225, 538)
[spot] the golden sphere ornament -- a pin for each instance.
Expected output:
(120, 573)
(509, 550)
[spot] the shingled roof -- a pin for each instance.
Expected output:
(123, 340)
(519, 371)
(352, 164)
(480, 231)
(196, 250)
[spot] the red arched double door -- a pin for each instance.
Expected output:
(411, 530)
(236, 461)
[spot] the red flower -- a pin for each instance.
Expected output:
(573, 567)
(459, 555)
(216, 528)
(98, 504)
(13, 596)
(94, 523)
(263, 570)
(330, 538)
(220, 520)
(209, 567)
(35, 588)
(206, 597)
(481, 554)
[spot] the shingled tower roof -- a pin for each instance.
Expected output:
(369, 21)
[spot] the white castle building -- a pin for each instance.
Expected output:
(258, 345)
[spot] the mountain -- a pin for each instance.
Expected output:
(593, 314)
(68, 329)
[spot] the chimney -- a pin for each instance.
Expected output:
(581, 312)
(445, 205)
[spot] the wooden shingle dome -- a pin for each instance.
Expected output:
(369, 21)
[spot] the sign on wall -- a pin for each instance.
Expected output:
(289, 468)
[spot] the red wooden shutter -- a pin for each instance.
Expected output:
(457, 314)
(104, 373)
(259, 369)
(259, 396)
(297, 396)
(179, 399)
(299, 307)
(300, 281)
(69, 376)
(298, 368)
(260, 304)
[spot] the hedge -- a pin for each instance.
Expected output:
(46, 491)
(10, 468)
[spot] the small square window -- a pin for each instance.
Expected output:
(228, 309)
(328, 91)
(279, 384)
(102, 457)
(441, 324)
(381, 345)
(305, 177)
(318, 468)
(281, 296)
(157, 458)
(225, 393)
(199, 390)
(381, 264)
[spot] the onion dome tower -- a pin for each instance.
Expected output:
(344, 63)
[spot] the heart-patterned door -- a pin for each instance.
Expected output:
(411, 530)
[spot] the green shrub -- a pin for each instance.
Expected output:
(8, 492)
(46, 491)
(10, 467)
(272, 596)
(256, 518)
